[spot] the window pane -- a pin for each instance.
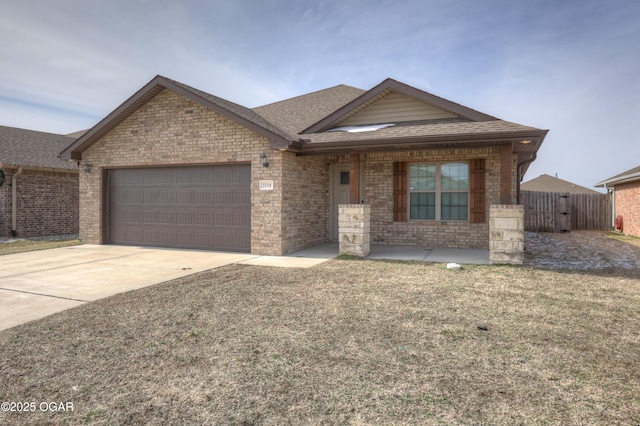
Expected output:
(455, 206)
(422, 176)
(423, 205)
(455, 176)
(344, 178)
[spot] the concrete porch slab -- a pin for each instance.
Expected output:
(423, 254)
(461, 256)
(399, 253)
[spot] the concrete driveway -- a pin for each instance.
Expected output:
(36, 284)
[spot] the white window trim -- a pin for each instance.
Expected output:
(438, 191)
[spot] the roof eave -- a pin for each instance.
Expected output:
(422, 142)
(616, 181)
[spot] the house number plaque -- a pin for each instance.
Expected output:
(265, 185)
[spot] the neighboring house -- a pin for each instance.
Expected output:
(546, 183)
(39, 193)
(177, 167)
(626, 200)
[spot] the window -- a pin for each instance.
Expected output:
(439, 191)
(344, 178)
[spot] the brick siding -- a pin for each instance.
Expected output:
(173, 130)
(628, 205)
(47, 203)
(447, 234)
(5, 205)
(305, 213)
(307, 200)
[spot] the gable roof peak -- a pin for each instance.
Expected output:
(391, 85)
(238, 113)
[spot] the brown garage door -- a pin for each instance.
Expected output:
(204, 207)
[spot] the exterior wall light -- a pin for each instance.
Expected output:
(263, 159)
(86, 166)
(525, 142)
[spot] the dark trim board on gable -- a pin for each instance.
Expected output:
(404, 89)
(235, 112)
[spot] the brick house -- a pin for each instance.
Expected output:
(626, 200)
(38, 191)
(177, 167)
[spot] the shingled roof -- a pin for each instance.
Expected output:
(546, 183)
(29, 148)
(304, 124)
(296, 114)
(310, 119)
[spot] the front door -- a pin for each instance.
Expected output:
(340, 193)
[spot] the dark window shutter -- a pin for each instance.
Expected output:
(478, 191)
(400, 191)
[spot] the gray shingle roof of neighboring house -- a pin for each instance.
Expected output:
(29, 148)
(628, 176)
(546, 183)
(76, 135)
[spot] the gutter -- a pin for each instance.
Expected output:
(14, 201)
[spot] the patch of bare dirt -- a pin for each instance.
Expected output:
(580, 250)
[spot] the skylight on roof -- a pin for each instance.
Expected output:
(358, 129)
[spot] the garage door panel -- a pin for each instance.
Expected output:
(159, 217)
(128, 196)
(128, 235)
(232, 218)
(188, 207)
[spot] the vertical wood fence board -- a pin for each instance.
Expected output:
(561, 212)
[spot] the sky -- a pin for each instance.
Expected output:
(572, 67)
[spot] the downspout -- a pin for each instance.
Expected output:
(14, 202)
(613, 205)
(519, 178)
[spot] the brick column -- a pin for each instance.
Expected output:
(506, 234)
(354, 229)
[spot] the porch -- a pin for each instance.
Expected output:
(415, 253)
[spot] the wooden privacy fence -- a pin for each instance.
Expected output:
(564, 212)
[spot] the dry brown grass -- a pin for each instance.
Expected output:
(630, 239)
(346, 342)
(22, 245)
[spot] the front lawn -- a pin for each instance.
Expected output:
(23, 245)
(345, 342)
